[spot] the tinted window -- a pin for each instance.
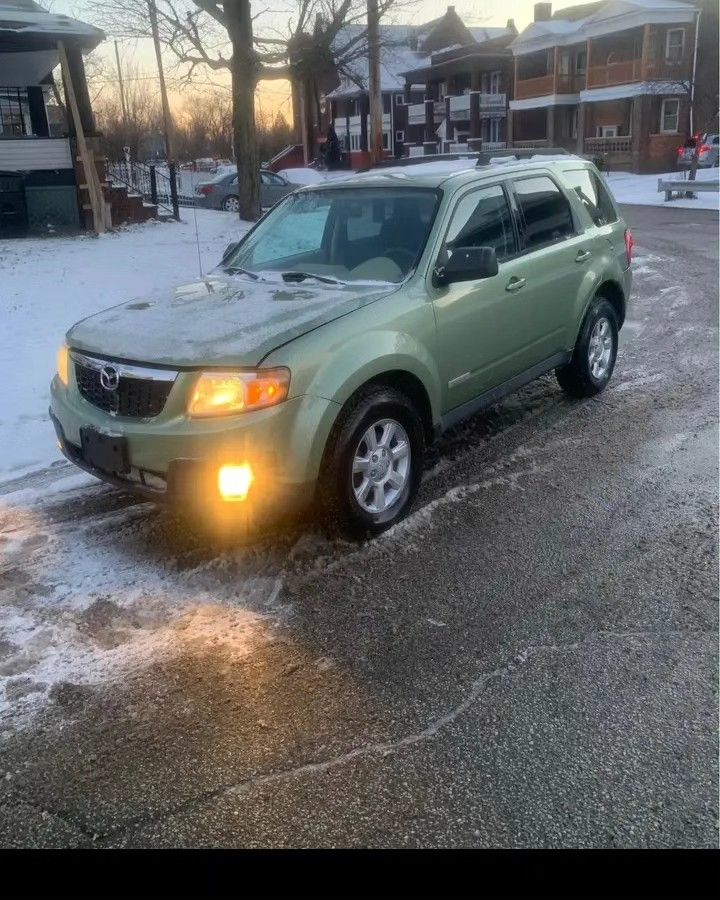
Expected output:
(482, 219)
(545, 211)
(594, 195)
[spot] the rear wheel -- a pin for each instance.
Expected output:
(593, 359)
(231, 204)
(373, 462)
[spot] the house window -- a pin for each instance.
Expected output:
(573, 122)
(581, 62)
(564, 63)
(442, 90)
(669, 116)
(399, 98)
(400, 136)
(354, 141)
(14, 112)
(675, 44)
(608, 131)
(386, 141)
(495, 82)
(484, 82)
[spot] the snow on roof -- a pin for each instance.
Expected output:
(487, 34)
(603, 18)
(25, 17)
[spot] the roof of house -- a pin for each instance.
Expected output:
(400, 52)
(25, 18)
(577, 23)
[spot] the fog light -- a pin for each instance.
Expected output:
(234, 481)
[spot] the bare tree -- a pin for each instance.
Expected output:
(225, 36)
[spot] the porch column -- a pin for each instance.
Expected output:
(430, 137)
(38, 115)
(509, 128)
(639, 130)
(364, 112)
(581, 128)
(475, 140)
(408, 89)
(475, 80)
(77, 73)
(550, 126)
(347, 127)
(449, 124)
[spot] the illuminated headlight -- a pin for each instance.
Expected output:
(229, 393)
(63, 364)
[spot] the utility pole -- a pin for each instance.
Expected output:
(376, 110)
(167, 119)
(122, 86)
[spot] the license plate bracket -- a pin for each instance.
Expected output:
(108, 452)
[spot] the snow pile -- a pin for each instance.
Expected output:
(49, 284)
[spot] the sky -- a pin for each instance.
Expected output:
(275, 96)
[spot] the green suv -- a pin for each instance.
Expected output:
(352, 325)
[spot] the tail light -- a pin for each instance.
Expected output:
(704, 149)
(629, 244)
(681, 150)
(205, 189)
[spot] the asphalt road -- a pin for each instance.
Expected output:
(529, 660)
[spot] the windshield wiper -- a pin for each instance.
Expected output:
(233, 269)
(301, 276)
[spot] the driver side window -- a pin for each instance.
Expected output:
(482, 219)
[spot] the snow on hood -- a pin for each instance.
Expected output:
(221, 320)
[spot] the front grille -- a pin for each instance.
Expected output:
(134, 397)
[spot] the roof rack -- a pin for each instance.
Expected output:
(485, 157)
(419, 160)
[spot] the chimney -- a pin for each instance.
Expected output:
(451, 9)
(511, 26)
(543, 11)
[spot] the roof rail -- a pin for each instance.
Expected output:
(485, 157)
(419, 160)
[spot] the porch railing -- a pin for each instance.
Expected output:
(608, 144)
(534, 87)
(155, 184)
(530, 145)
(614, 73)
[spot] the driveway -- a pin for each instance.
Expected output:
(530, 659)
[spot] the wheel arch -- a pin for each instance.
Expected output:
(612, 291)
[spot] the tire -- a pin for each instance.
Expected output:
(231, 204)
(593, 359)
(346, 500)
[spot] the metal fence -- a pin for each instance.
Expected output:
(155, 184)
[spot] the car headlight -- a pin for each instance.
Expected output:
(63, 364)
(229, 393)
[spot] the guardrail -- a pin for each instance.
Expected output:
(685, 186)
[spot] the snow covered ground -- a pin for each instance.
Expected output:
(642, 189)
(50, 283)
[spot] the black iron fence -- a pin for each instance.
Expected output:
(154, 183)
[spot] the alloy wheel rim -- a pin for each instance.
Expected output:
(232, 204)
(600, 348)
(381, 466)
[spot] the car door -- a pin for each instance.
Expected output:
(478, 320)
(552, 272)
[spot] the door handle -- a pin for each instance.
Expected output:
(515, 284)
(583, 256)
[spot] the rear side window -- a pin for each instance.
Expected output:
(482, 219)
(594, 195)
(545, 211)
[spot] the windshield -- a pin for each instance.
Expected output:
(344, 234)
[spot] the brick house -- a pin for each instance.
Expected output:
(431, 76)
(612, 78)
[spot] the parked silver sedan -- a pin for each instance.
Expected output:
(221, 192)
(708, 156)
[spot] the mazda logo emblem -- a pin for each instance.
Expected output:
(109, 378)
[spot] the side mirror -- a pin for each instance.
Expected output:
(467, 264)
(229, 250)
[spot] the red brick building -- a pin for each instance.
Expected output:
(613, 78)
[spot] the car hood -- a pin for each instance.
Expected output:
(220, 320)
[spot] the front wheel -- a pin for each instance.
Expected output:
(373, 462)
(231, 204)
(593, 359)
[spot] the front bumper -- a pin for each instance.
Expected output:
(176, 460)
